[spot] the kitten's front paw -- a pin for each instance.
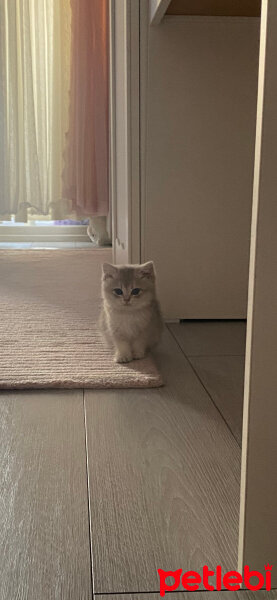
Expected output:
(139, 349)
(123, 357)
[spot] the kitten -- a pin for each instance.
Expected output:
(131, 318)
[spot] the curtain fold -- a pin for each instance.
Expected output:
(85, 176)
(35, 42)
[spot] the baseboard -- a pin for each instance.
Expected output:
(43, 233)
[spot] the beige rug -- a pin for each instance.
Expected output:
(49, 303)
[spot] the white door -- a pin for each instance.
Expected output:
(258, 522)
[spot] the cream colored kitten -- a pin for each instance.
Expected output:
(130, 318)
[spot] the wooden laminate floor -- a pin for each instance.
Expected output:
(99, 489)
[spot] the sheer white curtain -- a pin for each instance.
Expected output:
(35, 41)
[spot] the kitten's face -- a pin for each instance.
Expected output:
(129, 287)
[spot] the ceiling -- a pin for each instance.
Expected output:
(228, 8)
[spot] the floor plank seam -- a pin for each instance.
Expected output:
(129, 593)
(214, 592)
(211, 355)
(212, 320)
(88, 496)
(203, 385)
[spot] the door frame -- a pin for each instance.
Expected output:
(126, 246)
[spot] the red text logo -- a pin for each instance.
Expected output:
(232, 580)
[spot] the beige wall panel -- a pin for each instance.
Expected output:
(200, 133)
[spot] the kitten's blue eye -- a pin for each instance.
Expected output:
(135, 291)
(118, 291)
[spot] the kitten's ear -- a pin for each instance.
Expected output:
(109, 271)
(147, 270)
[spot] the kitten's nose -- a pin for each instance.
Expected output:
(126, 300)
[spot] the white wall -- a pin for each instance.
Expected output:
(200, 131)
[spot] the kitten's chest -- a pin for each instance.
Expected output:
(131, 325)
